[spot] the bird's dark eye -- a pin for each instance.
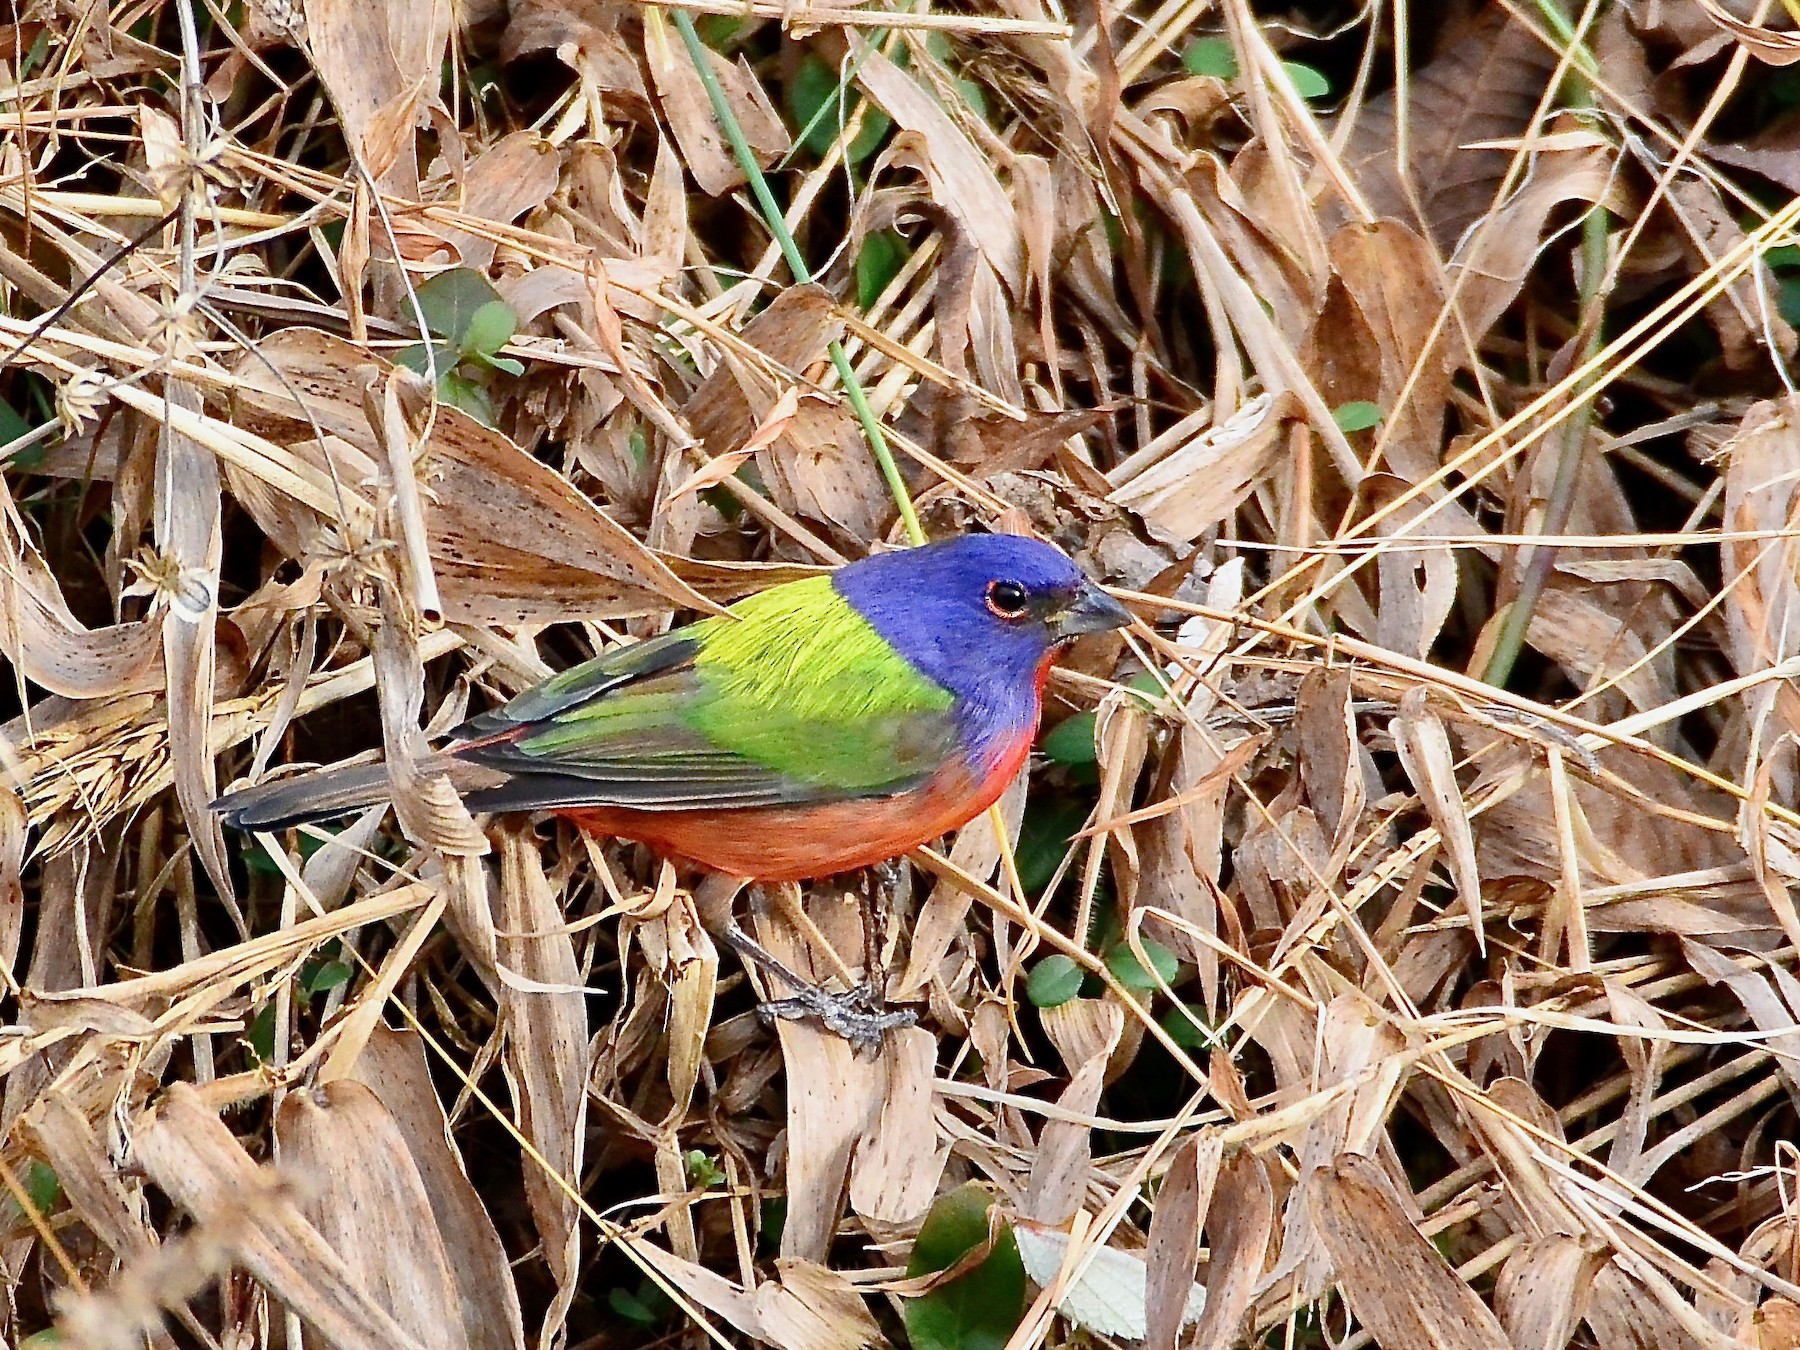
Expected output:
(1007, 599)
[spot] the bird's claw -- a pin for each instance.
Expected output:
(860, 1015)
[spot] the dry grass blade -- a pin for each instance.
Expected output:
(192, 1158)
(367, 365)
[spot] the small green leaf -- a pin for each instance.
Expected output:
(879, 262)
(720, 31)
(260, 1035)
(1051, 820)
(1787, 300)
(702, 1171)
(489, 329)
(1071, 741)
(414, 357)
(450, 301)
(1124, 965)
(42, 1186)
(40, 49)
(504, 364)
(1150, 684)
(12, 425)
(636, 1307)
(980, 1309)
(819, 107)
(461, 392)
(1211, 56)
(328, 975)
(1054, 981)
(1359, 415)
(1308, 83)
(1187, 1029)
(975, 96)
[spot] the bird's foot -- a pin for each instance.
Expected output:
(860, 1015)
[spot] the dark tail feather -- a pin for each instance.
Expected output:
(320, 795)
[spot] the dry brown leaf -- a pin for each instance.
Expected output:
(545, 1056)
(190, 1155)
(512, 177)
(189, 541)
(63, 1134)
(48, 645)
(1762, 606)
(365, 1197)
(1769, 1010)
(690, 116)
(1059, 1170)
(393, 1066)
(1239, 1223)
(1482, 89)
(1493, 261)
(1543, 1289)
(1199, 483)
(377, 61)
(1773, 46)
(894, 1175)
(1172, 1254)
(1747, 317)
(1378, 337)
(1424, 747)
(511, 540)
(1622, 1312)
(1395, 1282)
(962, 181)
(13, 838)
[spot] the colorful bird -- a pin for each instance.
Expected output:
(826, 725)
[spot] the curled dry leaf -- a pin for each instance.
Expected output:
(1773, 46)
(1424, 747)
(49, 645)
(1198, 483)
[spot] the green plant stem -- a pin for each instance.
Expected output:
(1572, 444)
(765, 200)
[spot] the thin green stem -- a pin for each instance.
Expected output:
(777, 223)
(1595, 233)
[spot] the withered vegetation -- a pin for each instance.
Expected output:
(1395, 944)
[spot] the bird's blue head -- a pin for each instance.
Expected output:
(980, 615)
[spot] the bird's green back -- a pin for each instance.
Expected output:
(795, 695)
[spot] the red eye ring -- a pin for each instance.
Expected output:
(1007, 600)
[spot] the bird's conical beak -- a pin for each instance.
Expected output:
(1093, 611)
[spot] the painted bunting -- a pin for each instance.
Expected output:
(826, 725)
